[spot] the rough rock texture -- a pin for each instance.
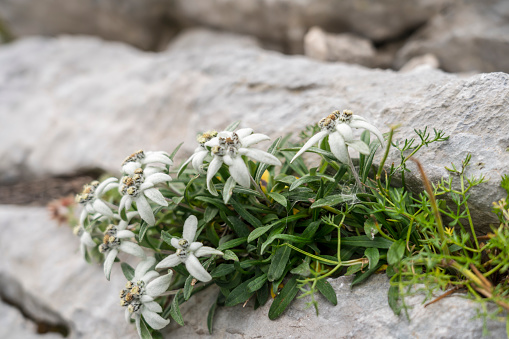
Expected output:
(283, 23)
(144, 24)
(338, 47)
(469, 36)
(42, 270)
(74, 103)
(362, 312)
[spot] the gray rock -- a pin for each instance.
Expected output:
(44, 273)
(74, 103)
(338, 47)
(426, 60)
(145, 24)
(469, 36)
(43, 260)
(362, 312)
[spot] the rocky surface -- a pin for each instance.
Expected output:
(468, 36)
(71, 104)
(42, 272)
(339, 47)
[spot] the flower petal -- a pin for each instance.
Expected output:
(143, 267)
(153, 306)
(159, 285)
(157, 178)
(313, 140)
(125, 234)
(137, 320)
(83, 215)
(170, 261)
(86, 239)
(131, 248)
(127, 315)
(130, 167)
(260, 156)
(154, 320)
(369, 127)
(145, 210)
(345, 130)
(146, 186)
(254, 139)
(156, 196)
(101, 207)
(212, 142)
(105, 184)
(239, 172)
(156, 157)
(198, 160)
(145, 298)
(148, 277)
(338, 147)
(175, 243)
(360, 146)
(194, 246)
(205, 250)
(214, 166)
(195, 268)
(108, 262)
(90, 208)
(244, 132)
(190, 226)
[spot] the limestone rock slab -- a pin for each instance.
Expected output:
(74, 103)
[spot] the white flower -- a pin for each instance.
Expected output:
(137, 159)
(229, 148)
(85, 239)
(139, 294)
(189, 251)
(201, 151)
(338, 126)
(139, 186)
(90, 198)
(116, 238)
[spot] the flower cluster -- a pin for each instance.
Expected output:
(152, 218)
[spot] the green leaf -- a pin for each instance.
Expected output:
(396, 252)
(123, 215)
(231, 127)
(210, 316)
(228, 189)
(172, 155)
(393, 297)
(363, 241)
(232, 243)
(237, 225)
(213, 201)
(127, 270)
(370, 228)
(145, 333)
(210, 213)
(373, 256)
(256, 233)
(303, 269)
(278, 264)
(229, 255)
(327, 291)
(284, 298)
(167, 237)
(309, 178)
(239, 294)
(328, 155)
(262, 295)
(175, 310)
(255, 222)
(278, 198)
(222, 270)
(365, 275)
(143, 230)
(332, 200)
(353, 269)
(257, 283)
(188, 288)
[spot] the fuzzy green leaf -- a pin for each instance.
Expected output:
(373, 256)
(256, 233)
(175, 310)
(278, 198)
(396, 252)
(257, 283)
(145, 333)
(210, 316)
(229, 255)
(239, 294)
(222, 270)
(363, 241)
(232, 243)
(127, 270)
(332, 200)
(284, 298)
(228, 189)
(278, 264)
(327, 291)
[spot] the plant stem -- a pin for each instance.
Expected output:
(259, 190)
(355, 175)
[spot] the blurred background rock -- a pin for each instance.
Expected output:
(83, 83)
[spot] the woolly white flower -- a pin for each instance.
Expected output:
(229, 147)
(139, 294)
(338, 126)
(90, 198)
(139, 158)
(85, 239)
(188, 252)
(201, 151)
(116, 238)
(139, 186)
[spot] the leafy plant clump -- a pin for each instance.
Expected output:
(263, 224)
